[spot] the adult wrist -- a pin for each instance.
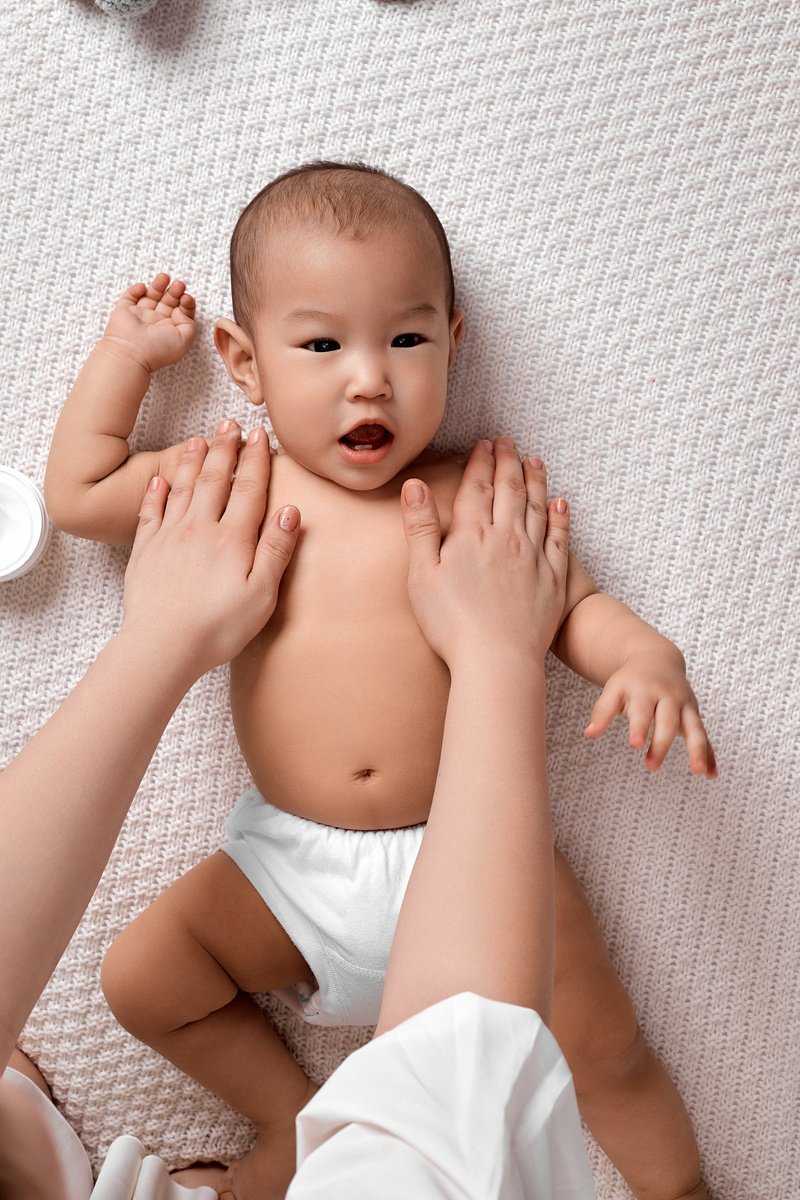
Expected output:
(501, 660)
(173, 663)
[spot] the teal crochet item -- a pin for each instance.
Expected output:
(123, 8)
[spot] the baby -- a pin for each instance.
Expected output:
(345, 329)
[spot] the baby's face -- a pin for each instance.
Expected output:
(352, 345)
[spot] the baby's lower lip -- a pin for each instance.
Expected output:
(367, 458)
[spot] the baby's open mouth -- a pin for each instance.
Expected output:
(365, 437)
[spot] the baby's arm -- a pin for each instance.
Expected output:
(643, 674)
(92, 487)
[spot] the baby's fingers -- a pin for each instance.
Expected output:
(132, 295)
(701, 753)
(174, 300)
(610, 705)
(666, 728)
(640, 718)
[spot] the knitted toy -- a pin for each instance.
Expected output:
(124, 8)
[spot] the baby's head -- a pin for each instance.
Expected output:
(345, 325)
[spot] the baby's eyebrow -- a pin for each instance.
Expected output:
(423, 309)
(416, 310)
(310, 314)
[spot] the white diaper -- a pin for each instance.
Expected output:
(336, 892)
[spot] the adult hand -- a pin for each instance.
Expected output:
(498, 579)
(203, 578)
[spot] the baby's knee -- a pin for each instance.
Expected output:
(121, 978)
(130, 979)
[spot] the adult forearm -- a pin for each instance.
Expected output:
(478, 911)
(62, 804)
(601, 633)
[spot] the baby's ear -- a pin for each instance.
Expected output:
(236, 350)
(456, 330)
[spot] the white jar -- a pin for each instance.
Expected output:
(24, 524)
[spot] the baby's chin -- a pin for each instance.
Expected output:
(347, 471)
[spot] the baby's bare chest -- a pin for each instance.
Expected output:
(339, 702)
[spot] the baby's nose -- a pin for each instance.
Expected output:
(370, 382)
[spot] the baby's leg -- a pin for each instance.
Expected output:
(176, 979)
(624, 1094)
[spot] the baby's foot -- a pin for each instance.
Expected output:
(267, 1169)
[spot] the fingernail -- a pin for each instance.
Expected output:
(192, 444)
(224, 426)
(253, 436)
(289, 519)
(536, 463)
(413, 494)
(507, 441)
(561, 505)
(486, 445)
(153, 486)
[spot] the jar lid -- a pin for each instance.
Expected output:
(24, 524)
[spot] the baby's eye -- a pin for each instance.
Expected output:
(322, 345)
(406, 341)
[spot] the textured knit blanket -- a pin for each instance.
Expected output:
(619, 182)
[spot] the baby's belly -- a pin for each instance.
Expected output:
(347, 732)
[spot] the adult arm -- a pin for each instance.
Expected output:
(202, 580)
(478, 914)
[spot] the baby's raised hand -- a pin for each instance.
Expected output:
(651, 690)
(153, 323)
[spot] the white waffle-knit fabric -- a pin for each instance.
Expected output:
(620, 183)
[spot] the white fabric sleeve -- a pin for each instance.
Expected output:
(470, 1099)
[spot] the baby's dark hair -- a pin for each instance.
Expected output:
(351, 197)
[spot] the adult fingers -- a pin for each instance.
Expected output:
(536, 513)
(275, 548)
(248, 497)
(151, 514)
(212, 489)
(510, 489)
(475, 496)
(421, 525)
(184, 480)
(556, 541)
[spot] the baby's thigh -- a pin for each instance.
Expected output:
(593, 1018)
(209, 927)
